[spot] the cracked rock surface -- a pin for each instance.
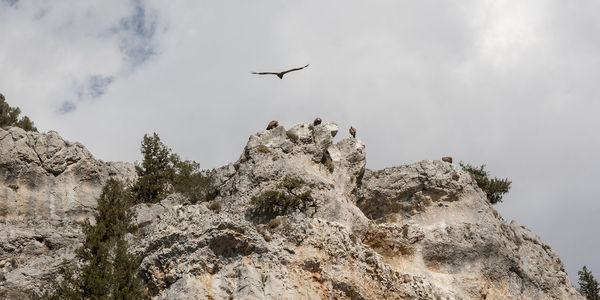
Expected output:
(48, 186)
(420, 231)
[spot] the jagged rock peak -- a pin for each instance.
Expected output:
(46, 177)
(419, 231)
(331, 171)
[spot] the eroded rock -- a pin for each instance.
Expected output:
(421, 231)
(48, 187)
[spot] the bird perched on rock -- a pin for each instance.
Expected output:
(272, 125)
(317, 121)
(280, 74)
(352, 132)
(447, 159)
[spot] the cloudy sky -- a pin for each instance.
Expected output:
(510, 84)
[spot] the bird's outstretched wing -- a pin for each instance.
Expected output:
(265, 73)
(279, 74)
(294, 69)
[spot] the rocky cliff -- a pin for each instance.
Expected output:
(422, 231)
(48, 187)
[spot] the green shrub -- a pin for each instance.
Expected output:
(9, 116)
(26, 124)
(291, 183)
(276, 202)
(163, 172)
(193, 183)
(494, 188)
(271, 202)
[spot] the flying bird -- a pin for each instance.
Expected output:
(280, 74)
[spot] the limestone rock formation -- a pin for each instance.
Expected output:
(48, 186)
(453, 236)
(421, 231)
(45, 177)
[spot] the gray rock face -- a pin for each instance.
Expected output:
(48, 186)
(275, 154)
(453, 236)
(45, 177)
(422, 231)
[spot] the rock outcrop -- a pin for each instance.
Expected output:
(421, 231)
(451, 235)
(48, 187)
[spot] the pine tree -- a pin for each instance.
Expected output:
(108, 271)
(26, 124)
(67, 288)
(494, 188)
(162, 172)
(588, 286)
(156, 172)
(127, 284)
(9, 116)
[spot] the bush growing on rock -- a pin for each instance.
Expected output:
(494, 188)
(272, 202)
(291, 183)
(26, 124)
(276, 202)
(9, 116)
(162, 172)
(192, 182)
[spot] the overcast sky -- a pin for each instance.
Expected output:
(510, 84)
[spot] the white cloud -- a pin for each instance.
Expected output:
(510, 30)
(56, 54)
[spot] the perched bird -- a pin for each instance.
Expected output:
(353, 131)
(447, 159)
(317, 121)
(280, 74)
(272, 125)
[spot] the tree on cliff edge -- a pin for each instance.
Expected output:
(494, 188)
(588, 286)
(156, 171)
(162, 172)
(9, 116)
